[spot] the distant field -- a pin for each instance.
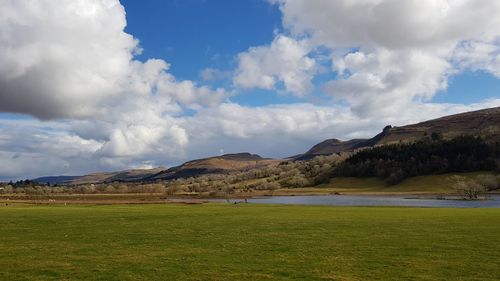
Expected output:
(247, 242)
(423, 184)
(432, 184)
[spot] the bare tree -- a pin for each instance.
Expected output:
(468, 189)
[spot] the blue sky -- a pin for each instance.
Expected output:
(196, 34)
(470, 87)
(271, 77)
(193, 35)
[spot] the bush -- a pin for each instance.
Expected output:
(295, 181)
(266, 186)
(173, 189)
(396, 177)
(468, 189)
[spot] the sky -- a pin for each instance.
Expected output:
(106, 85)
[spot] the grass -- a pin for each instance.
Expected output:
(416, 185)
(247, 242)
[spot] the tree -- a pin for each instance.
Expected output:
(173, 189)
(396, 177)
(468, 189)
(436, 136)
(228, 190)
(8, 189)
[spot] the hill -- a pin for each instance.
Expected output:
(223, 164)
(331, 146)
(216, 165)
(55, 179)
(122, 176)
(484, 123)
(395, 162)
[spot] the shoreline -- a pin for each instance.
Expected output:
(138, 199)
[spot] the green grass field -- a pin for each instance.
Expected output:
(416, 185)
(247, 242)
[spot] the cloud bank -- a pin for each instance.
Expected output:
(72, 60)
(389, 54)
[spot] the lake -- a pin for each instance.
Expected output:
(492, 201)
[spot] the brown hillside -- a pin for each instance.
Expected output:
(123, 176)
(218, 164)
(484, 123)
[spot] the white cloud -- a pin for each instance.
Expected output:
(285, 61)
(31, 148)
(66, 55)
(72, 59)
(382, 82)
(390, 54)
(478, 55)
(285, 130)
(391, 24)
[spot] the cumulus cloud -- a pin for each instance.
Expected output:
(285, 60)
(72, 60)
(478, 55)
(66, 55)
(391, 24)
(389, 54)
(31, 148)
(382, 82)
(301, 121)
(285, 130)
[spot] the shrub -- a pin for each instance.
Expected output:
(171, 190)
(468, 189)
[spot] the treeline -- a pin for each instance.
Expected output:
(395, 162)
(115, 188)
(287, 174)
(23, 183)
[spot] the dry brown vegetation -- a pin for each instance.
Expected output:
(286, 174)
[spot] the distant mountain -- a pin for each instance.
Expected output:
(331, 146)
(133, 175)
(484, 123)
(55, 179)
(215, 165)
(122, 176)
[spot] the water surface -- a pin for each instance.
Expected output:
(492, 201)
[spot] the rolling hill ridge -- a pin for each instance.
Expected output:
(484, 123)
(215, 165)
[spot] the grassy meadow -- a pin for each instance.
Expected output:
(247, 242)
(425, 185)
